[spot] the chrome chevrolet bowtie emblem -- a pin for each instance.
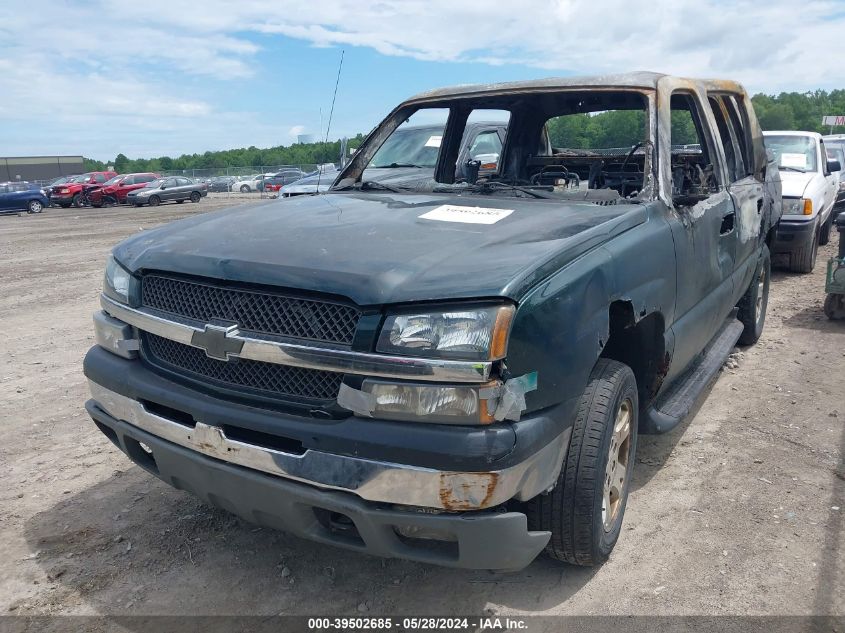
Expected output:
(217, 341)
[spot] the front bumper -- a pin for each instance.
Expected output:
(63, 199)
(378, 480)
(793, 234)
(475, 540)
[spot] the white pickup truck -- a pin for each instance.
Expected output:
(809, 195)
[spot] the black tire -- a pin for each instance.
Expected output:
(834, 307)
(244, 188)
(180, 201)
(752, 306)
(824, 231)
(195, 196)
(573, 510)
(803, 259)
(154, 201)
(78, 201)
(34, 206)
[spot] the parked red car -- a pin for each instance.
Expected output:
(119, 186)
(70, 193)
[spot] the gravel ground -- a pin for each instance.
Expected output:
(738, 511)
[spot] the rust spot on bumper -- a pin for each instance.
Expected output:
(467, 491)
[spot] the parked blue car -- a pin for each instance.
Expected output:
(22, 196)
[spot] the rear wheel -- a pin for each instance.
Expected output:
(78, 201)
(244, 188)
(155, 201)
(195, 196)
(803, 259)
(752, 306)
(584, 510)
(34, 206)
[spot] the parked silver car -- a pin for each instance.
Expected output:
(172, 189)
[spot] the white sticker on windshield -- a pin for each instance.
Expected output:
(433, 141)
(799, 161)
(467, 215)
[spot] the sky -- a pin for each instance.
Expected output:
(163, 77)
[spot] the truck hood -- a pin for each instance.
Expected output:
(375, 248)
(794, 183)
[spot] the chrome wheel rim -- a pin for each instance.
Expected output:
(616, 471)
(35, 207)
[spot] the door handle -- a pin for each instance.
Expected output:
(727, 223)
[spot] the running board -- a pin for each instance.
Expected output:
(681, 398)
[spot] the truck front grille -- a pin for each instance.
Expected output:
(253, 310)
(266, 379)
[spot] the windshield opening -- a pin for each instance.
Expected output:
(549, 144)
(415, 143)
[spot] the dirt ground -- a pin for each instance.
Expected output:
(738, 511)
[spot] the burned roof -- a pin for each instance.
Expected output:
(641, 80)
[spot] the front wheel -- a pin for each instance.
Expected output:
(752, 306)
(155, 201)
(244, 188)
(34, 206)
(585, 508)
(195, 196)
(78, 201)
(803, 258)
(824, 232)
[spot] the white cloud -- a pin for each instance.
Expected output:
(769, 46)
(296, 130)
(140, 68)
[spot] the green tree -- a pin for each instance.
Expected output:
(121, 162)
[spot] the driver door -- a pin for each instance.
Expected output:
(702, 219)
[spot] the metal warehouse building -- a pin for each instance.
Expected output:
(39, 167)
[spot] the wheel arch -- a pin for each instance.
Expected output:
(637, 339)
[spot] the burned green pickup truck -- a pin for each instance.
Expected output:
(451, 368)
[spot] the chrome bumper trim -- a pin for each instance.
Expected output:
(325, 359)
(371, 480)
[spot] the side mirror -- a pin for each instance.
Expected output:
(833, 165)
(471, 171)
(163, 186)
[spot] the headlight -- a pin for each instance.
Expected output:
(471, 334)
(116, 283)
(793, 206)
(428, 403)
(798, 206)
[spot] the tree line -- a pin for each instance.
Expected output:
(786, 111)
